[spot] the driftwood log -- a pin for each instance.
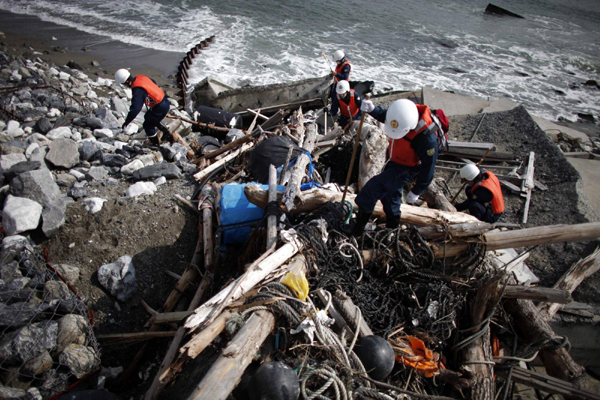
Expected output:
(477, 355)
(313, 199)
(226, 372)
(299, 169)
(373, 153)
(571, 279)
(255, 274)
(435, 198)
(496, 240)
(533, 327)
(204, 173)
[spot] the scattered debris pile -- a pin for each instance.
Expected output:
(276, 300)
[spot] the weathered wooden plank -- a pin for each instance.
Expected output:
(226, 372)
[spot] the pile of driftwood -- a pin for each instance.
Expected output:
(456, 318)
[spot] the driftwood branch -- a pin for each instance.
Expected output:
(581, 270)
(299, 169)
(226, 372)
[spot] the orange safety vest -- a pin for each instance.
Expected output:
(401, 149)
(338, 70)
(491, 183)
(348, 110)
(154, 94)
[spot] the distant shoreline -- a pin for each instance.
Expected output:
(26, 34)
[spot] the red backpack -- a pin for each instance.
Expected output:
(443, 125)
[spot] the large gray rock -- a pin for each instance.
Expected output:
(12, 393)
(81, 360)
(36, 185)
(8, 160)
(21, 313)
(108, 119)
(43, 125)
(169, 171)
(53, 217)
(62, 132)
(69, 272)
(37, 365)
(119, 278)
(30, 341)
(20, 215)
(90, 150)
(19, 168)
(72, 328)
(97, 173)
(12, 246)
(121, 108)
(63, 153)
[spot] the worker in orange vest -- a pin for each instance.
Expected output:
(413, 153)
(341, 72)
(484, 194)
(145, 91)
(348, 103)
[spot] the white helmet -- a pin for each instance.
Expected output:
(121, 76)
(401, 117)
(342, 87)
(338, 55)
(469, 172)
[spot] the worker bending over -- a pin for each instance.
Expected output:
(348, 103)
(413, 153)
(484, 194)
(145, 91)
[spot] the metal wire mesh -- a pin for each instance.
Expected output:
(46, 335)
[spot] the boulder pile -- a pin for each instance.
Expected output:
(60, 137)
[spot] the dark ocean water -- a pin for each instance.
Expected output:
(541, 61)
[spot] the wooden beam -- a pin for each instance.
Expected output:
(226, 372)
(549, 295)
(528, 185)
(496, 240)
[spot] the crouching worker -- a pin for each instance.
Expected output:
(484, 194)
(413, 153)
(348, 103)
(145, 91)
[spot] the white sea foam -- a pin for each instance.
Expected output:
(250, 50)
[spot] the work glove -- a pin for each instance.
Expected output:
(411, 198)
(367, 106)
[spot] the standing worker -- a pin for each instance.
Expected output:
(342, 69)
(145, 91)
(347, 102)
(413, 152)
(341, 72)
(484, 194)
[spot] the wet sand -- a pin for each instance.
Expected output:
(24, 34)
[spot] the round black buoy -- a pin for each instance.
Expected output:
(376, 355)
(274, 381)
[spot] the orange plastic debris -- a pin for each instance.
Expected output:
(412, 352)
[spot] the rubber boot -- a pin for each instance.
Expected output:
(154, 140)
(392, 221)
(361, 222)
(166, 134)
